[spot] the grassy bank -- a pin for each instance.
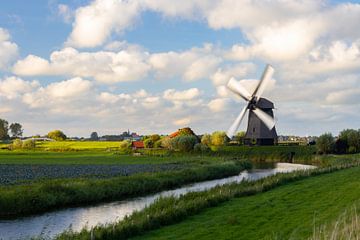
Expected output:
(346, 226)
(168, 211)
(44, 195)
(295, 154)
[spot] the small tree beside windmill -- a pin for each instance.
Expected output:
(261, 125)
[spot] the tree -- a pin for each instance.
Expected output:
(16, 130)
(206, 139)
(155, 137)
(148, 143)
(125, 146)
(57, 135)
(352, 139)
(219, 138)
(184, 143)
(239, 137)
(4, 129)
(166, 143)
(94, 136)
(325, 143)
(186, 132)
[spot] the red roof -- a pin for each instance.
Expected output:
(138, 144)
(174, 134)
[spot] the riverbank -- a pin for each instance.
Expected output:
(41, 196)
(171, 210)
(291, 211)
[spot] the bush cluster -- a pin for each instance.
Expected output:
(19, 144)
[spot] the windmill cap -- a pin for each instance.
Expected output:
(264, 103)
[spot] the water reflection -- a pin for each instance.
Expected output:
(52, 223)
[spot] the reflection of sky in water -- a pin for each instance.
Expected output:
(52, 223)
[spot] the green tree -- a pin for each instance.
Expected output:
(325, 143)
(16, 130)
(94, 136)
(219, 138)
(352, 138)
(186, 132)
(239, 137)
(155, 137)
(57, 135)
(148, 143)
(4, 129)
(206, 139)
(125, 146)
(158, 143)
(166, 142)
(184, 143)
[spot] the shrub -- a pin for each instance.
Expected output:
(325, 143)
(206, 139)
(158, 143)
(201, 148)
(57, 135)
(29, 144)
(219, 138)
(166, 143)
(125, 146)
(184, 143)
(16, 144)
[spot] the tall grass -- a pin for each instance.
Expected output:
(295, 154)
(49, 194)
(170, 210)
(346, 227)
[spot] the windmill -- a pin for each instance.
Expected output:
(261, 125)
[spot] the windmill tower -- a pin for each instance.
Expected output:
(261, 125)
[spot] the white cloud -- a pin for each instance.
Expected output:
(182, 121)
(8, 49)
(104, 66)
(173, 95)
(192, 64)
(65, 13)
(223, 74)
(348, 96)
(12, 87)
(58, 94)
(218, 104)
(95, 22)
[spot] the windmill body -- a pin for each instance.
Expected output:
(257, 132)
(261, 125)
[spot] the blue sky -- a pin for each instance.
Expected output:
(155, 66)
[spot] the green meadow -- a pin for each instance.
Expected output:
(291, 211)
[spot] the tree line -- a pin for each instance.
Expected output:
(348, 141)
(8, 131)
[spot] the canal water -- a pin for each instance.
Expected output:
(50, 224)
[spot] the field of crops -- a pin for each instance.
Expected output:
(77, 145)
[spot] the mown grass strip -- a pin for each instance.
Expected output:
(50, 194)
(170, 210)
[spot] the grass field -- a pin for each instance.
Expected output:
(287, 212)
(92, 157)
